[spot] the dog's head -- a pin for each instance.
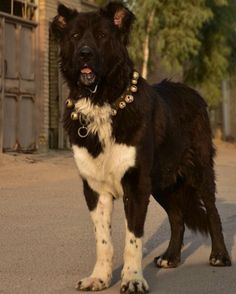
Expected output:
(92, 43)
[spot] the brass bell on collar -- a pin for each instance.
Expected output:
(133, 89)
(129, 98)
(135, 75)
(113, 112)
(74, 115)
(69, 103)
(122, 104)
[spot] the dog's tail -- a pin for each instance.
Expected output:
(195, 215)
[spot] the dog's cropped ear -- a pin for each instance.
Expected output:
(60, 21)
(121, 17)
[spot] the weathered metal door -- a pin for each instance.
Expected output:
(18, 54)
(1, 81)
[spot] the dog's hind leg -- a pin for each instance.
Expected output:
(171, 257)
(100, 207)
(136, 199)
(219, 255)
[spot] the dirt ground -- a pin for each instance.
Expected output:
(46, 237)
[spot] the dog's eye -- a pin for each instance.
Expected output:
(76, 36)
(100, 35)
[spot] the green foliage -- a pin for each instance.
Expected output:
(195, 38)
(216, 57)
(174, 30)
(178, 34)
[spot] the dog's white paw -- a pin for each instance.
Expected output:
(92, 284)
(166, 263)
(163, 263)
(134, 286)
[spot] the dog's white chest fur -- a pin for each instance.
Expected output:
(103, 173)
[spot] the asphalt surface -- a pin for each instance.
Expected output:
(46, 236)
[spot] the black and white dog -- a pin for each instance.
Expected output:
(132, 140)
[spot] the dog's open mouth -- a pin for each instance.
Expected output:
(87, 76)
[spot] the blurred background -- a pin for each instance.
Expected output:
(192, 41)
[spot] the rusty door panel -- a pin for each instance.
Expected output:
(26, 53)
(26, 136)
(10, 51)
(19, 86)
(1, 80)
(1, 55)
(1, 61)
(10, 122)
(12, 86)
(27, 87)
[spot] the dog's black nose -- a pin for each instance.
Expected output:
(85, 52)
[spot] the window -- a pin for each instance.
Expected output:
(21, 8)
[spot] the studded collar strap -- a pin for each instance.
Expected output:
(127, 97)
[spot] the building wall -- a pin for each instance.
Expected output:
(233, 108)
(54, 109)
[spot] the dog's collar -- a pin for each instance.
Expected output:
(126, 98)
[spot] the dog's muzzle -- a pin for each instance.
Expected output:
(87, 75)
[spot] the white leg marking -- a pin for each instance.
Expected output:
(102, 272)
(132, 274)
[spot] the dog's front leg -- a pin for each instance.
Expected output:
(100, 209)
(136, 199)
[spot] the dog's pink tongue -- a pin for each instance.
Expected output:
(86, 70)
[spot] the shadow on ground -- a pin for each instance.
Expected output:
(205, 276)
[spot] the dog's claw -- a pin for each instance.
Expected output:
(92, 284)
(134, 287)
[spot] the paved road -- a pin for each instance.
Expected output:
(46, 237)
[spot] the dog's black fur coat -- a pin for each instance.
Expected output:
(167, 123)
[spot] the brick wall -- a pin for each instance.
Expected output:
(54, 115)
